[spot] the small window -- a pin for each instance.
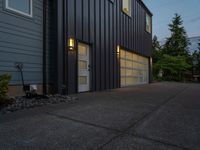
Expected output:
(148, 23)
(23, 7)
(126, 7)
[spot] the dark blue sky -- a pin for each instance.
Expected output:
(164, 10)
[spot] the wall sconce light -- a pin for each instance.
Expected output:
(71, 44)
(118, 50)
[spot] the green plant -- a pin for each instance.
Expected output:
(174, 68)
(177, 43)
(4, 81)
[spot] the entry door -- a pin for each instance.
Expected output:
(83, 68)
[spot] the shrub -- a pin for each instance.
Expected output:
(4, 81)
(175, 68)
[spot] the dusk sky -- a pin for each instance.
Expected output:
(164, 10)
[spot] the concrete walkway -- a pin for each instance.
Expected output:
(161, 116)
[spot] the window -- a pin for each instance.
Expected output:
(148, 23)
(23, 7)
(126, 7)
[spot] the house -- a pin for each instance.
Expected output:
(194, 46)
(75, 45)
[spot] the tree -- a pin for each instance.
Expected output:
(155, 43)
(177, 44)
(173, 67)
(156, 49)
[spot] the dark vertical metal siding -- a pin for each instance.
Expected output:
(103, 25)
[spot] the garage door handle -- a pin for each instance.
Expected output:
(88, 67)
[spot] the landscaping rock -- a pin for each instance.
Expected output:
(20, 103)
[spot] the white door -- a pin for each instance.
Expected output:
(83, 67)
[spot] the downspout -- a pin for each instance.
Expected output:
(65, 69)
(44, 47)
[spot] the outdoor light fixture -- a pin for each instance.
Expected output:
(71, 44)
(118, 50)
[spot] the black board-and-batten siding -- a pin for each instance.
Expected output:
(103, 25)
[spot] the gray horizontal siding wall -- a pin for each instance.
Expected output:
(21, 40)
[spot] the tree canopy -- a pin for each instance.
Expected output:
(173, 59)
(177, 43)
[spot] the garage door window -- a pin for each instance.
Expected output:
(134, 68)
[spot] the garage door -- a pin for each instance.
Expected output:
(134, 69)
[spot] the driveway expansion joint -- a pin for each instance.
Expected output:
(147, 115)
(82, 122)
(158, 141)
(156, 109)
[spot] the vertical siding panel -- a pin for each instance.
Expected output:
(111, 47)
(85, 20)
(143, 30)
(135, 19)
(92, 22)
(138, 36)
(130, 33)
(107, 45)
(79, 19)
(71, 17)
(98, 50)
(139, 25)
(102, 43)
(92, 41)
(116, 42)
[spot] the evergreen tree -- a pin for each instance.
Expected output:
(155, 43)
(156, 49)
(177, 44)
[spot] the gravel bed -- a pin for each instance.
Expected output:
(20, 103)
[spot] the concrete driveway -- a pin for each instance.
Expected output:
(160, 116)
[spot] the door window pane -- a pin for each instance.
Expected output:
(82, 64)
(82, 80)
(82, 50)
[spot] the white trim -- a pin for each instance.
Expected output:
(21, 12)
